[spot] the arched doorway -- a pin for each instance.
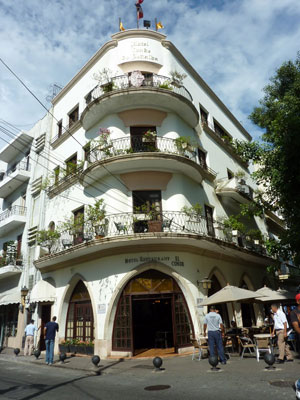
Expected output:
(80, 321)
(215, 287)
(151, 313)
(248, 314)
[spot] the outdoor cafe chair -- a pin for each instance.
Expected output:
(228, 345)
(262, 346)
(246, 344)
(199, 346)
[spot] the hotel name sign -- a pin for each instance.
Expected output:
(174, 261)
(140, 50)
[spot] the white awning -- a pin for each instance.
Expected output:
(13, 297)
(42, 291)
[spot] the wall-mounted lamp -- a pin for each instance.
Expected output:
(24, 293)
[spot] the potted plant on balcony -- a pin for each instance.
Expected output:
(194, 212)
(177, 78)
(96, 217)
(236, 226)
(183, 144)
(103, 141)
(47, 238)
(165, 85)
(149, 136)
(64, 346)
(104, 77)
(155, 221)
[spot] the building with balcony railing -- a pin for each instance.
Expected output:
(130, 216)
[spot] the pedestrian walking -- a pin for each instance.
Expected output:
(29, 338)
(280, 329)
(49, 333)
(295, 320)
(215, 329)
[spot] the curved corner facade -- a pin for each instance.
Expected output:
(152, 146)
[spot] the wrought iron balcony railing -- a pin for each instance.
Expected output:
(131, 224)
(14, 210)
(21, 166)
(123, 82)
(138, 144)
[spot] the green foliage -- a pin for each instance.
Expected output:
(239, 174)
(47, 235)
(251, 210)
(183, 143)
(150, 210)
(96, 213)
(255, 234)
(278, 155)
(234, 224)
(166, 85)
(194, 212)
(177, 77)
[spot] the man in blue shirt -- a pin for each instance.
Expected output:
(29, 341)
(49, 333)
(214, 325)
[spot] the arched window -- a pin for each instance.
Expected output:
(51, 226)
(80, 321)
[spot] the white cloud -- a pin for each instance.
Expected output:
(235, 45)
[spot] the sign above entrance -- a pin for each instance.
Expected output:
(174, 261)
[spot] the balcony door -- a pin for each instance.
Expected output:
(209, 220)
(146, 206)
(140, 143)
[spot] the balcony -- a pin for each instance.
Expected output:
(64, 183)
(127, 232)
(120, 94)
(236, 189)
(68, 131)
(288, 272)
(12, 150)
(11, 219)
(224, 141)
(9, 267)
(133, 154)
(13, 178)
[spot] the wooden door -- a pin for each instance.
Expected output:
(83, 327)
(46, 317)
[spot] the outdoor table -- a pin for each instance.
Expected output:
(264, 336)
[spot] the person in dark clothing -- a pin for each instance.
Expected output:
(49, 332)
(295, 319)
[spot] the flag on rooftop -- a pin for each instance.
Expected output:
(122, 26)
(159, 25)
(139, 9)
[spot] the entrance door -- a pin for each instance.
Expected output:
(46, 317)
(152, 313)
(80, 321)
(152, 322)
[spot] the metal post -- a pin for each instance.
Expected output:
(155, 21)
(137, 19)
(119, 24)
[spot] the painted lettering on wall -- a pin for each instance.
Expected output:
(174, 261)
(139, 51)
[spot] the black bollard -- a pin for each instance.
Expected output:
(96, 360)
(36, 354)
(157, 362)
(62, 357)
(16, 351)
(269, 359)
(214, 361)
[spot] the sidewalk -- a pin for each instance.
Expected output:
(77, 363)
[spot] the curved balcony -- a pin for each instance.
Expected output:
(236, 189)
(120, 94)
(127, 232)
(132, 153)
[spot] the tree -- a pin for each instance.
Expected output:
(277, 155)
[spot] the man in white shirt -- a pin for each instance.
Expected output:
(214, 325)
(29, 341)
(280, 328)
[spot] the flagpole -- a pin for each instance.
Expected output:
(119, 24)
(137, 20)
(155, 21)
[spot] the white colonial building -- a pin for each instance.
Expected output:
(140, 134)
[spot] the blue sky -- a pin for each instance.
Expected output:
(235, 45)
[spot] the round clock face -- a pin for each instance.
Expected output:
(136, 78)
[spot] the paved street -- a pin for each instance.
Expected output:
(182, 379)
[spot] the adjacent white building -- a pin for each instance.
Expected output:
(152, 148)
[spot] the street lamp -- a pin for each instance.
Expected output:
(206, 283)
